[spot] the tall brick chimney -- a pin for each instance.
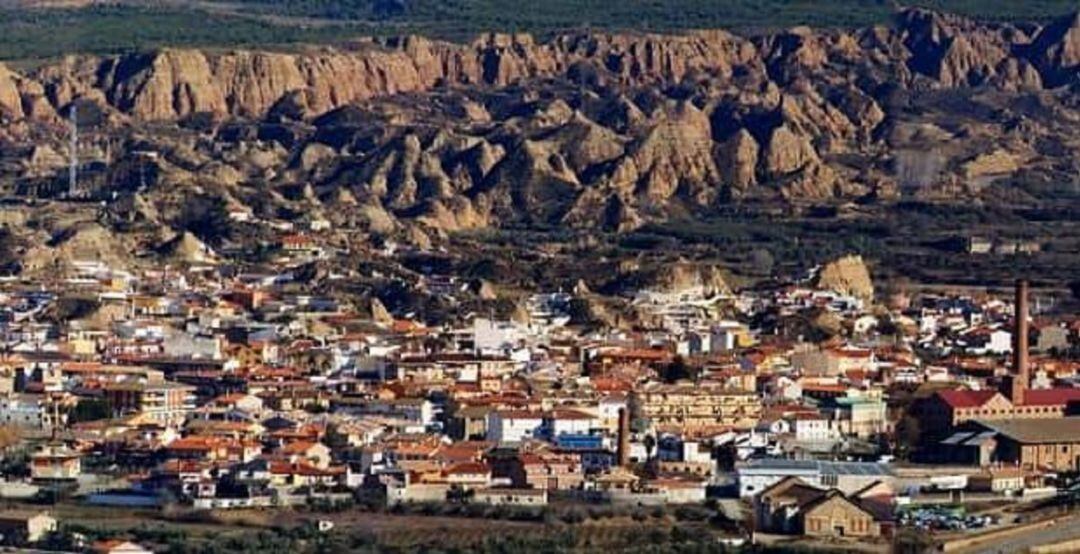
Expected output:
(1020, 379)
(622, 453)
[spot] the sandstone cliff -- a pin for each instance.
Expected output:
(173, 83)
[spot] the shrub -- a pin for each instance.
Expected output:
(573, 516)
(693, 513)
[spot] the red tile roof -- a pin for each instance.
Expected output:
(173, 467)
(406, 326)
(1051, 397)
(966, 398)
(298, 447)
(520, 414)
(566, 413)
(858, 353)
(823, 387)
(197, 443)
(286, 468)
(641, 354)
(467, 468)
(610, 384)
(462, 451)
(228, 399)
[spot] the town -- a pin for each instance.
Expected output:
(818, 409)
(568, 276)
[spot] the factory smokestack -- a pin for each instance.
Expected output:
(1020, 344)
(623, 451)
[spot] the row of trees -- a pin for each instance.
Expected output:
(688, 535)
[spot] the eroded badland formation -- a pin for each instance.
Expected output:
(415, 140)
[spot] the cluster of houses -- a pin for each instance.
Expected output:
(224, 389)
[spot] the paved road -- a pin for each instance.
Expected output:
(1068, 529)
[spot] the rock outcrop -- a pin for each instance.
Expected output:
(379, 313)
(787, 153)
(10, 99)
(738, 159)
(847, 275)
(1056, 51)
(78, 243)
(676, 152)
(174, 83)
(187, 248)
(688, 277)
(998, 162)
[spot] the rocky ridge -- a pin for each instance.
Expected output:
(419, 138)
(173, 83)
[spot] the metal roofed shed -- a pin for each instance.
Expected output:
(980, 438)
(757, 475)
(1048, 443)
(1036, 431)
(958, 438)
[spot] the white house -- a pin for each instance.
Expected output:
(691, 344)
(1000, 342)
(23, 410)
(725, 336)
(496, 336)
(33, 526)
(608, 411)
(184, 345)
(569, 422)
(813, 428)
(419, 411)
(679, 450)
(513, 426)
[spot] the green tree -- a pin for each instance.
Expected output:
(90, 410)
(650, 446)
(679, 370)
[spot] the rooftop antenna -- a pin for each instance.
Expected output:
(73, 162)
